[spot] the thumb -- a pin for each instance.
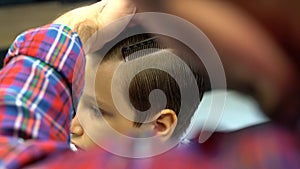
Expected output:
(113, 19)
(115, 9)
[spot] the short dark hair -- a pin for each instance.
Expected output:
(149, 79)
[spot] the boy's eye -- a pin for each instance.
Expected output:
(96, 111)
(99, 112)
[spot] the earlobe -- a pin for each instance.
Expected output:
(165, 123)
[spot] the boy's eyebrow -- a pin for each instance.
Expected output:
(102, 106)
(93, 100)
(88, 98)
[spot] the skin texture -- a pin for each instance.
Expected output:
(85, 21)
(89, 19)
(257, 43)
(162, 125)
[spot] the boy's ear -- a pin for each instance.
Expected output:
(165, 123)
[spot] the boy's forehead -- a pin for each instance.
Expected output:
(103, 82)
(105, 71)
(98, 77)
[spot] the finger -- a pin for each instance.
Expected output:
(115, 9)
(106, 34)
(113, 19)
(98, 7)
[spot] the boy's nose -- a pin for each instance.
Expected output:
(76, 128)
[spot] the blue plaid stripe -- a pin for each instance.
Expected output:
(55, 98)
(36, 93)
(57, 46)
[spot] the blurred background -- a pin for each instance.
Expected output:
(19, 15)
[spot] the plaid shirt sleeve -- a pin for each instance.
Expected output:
(37, 85)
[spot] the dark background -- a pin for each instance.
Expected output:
(13, 25)
(2, 55)
(14, 2)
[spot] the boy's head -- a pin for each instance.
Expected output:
(128, 93)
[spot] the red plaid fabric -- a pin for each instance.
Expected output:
(36, 102)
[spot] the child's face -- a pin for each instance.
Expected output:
(89, 119)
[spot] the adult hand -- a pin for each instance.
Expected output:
(88, 20)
